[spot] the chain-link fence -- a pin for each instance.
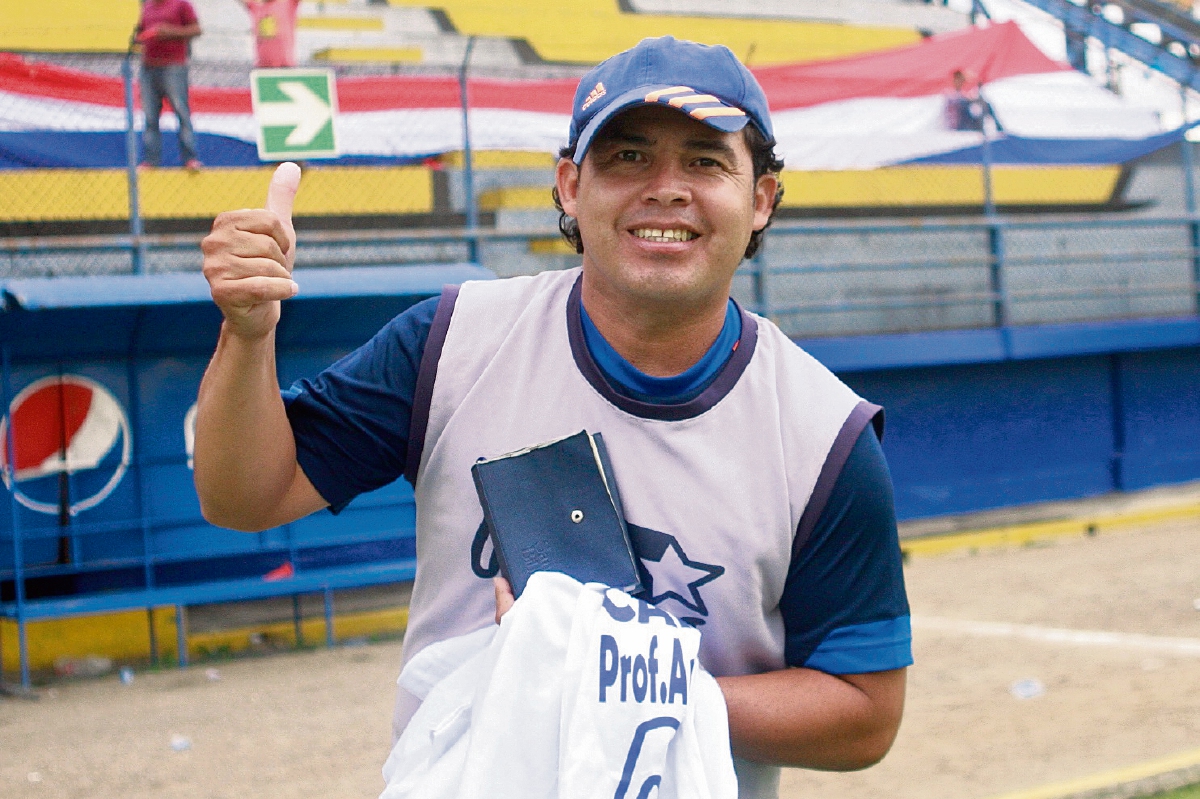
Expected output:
(820, 280)
(100, 214)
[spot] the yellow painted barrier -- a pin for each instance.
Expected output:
(516, 197)
(67, 25)
(125, 637)
(43, 195)
(1024, 534)
(40, 195)
(394, 55)
(340, 23)
(120, 636)
(893, 187)
(500, 159)
(385, 622)
(916, 186)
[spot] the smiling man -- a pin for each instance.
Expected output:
(752, 479)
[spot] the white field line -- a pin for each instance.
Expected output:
(1188, 647)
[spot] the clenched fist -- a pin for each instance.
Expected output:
(248, 258)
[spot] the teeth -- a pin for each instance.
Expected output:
(654, 234)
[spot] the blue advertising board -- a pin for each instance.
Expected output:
(100, 377)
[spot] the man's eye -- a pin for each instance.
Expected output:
(628, 155)
(707, 162)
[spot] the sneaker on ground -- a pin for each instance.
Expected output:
(193, 165)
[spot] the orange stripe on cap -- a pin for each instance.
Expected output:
(655, 96)
(692, 99)
(723, 111)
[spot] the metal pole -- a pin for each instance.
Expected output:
(468, 170)
(138, 253)
(18, 548)
(989, 202)
(1189, 198)
(995, 234)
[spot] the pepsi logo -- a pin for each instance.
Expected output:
(68, 425)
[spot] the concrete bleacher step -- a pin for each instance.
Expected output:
(590, 30)
(932, 17)
(349, 31)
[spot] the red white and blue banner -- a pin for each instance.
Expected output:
(879, 109)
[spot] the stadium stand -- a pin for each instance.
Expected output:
(588, 31)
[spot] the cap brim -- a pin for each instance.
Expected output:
(637, 97)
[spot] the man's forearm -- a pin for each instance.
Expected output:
(245, 454)
(806, 718)
(167, 30)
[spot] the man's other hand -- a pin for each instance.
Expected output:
(504, 596)
(248, 258)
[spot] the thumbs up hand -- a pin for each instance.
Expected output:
(248, 258)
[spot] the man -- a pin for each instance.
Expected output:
(754, 485)
(165, 31)
(274, 24)
(965, 109)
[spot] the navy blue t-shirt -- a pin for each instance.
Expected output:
(351, 425)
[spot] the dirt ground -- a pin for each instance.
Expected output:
(315, 724)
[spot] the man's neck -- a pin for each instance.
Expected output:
(661, 341)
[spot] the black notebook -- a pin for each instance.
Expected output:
(555, 507)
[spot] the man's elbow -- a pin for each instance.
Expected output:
(869, 734)
(223, 515)
(869, 748)
(223, 508)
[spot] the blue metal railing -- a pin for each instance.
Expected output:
(1088, 20)
(998, 264)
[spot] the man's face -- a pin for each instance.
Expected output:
(665, 206)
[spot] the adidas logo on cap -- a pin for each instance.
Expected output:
(594, 95)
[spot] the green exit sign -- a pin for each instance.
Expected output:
(294, 111)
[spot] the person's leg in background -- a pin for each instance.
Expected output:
(175, 86)
(152, 97)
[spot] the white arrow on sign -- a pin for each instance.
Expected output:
(306, 111)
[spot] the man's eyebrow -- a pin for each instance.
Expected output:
(621, 137)
(713, 146)
(706, 145)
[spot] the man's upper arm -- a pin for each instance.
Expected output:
(351, 422)
(844, 606)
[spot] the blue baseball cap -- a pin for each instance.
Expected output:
(706, 82)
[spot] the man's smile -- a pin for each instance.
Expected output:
(664, 235)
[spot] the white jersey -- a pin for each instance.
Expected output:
(592, 726)
(713, 489)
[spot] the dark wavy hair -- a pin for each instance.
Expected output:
(762, 155)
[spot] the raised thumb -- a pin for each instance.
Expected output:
(281, 194)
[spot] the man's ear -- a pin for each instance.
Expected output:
(764, 199)
(566, 180)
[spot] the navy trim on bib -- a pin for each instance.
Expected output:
(423, 394)
(725, 380)
(855, 423)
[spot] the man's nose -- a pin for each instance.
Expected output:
(667, 184)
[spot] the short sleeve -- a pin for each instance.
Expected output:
(351, 422)
(844, 606)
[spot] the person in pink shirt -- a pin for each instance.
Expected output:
(165, 31)
(274, 31)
